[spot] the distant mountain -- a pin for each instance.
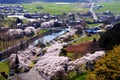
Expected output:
(61, 0)
(74, 0)
(26, 1)
(17, 1)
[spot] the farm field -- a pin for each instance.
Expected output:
(79, 50)
(53, 8)
(82, 46)
(109, 6)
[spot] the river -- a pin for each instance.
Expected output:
(49, 37)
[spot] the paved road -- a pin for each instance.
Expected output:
(91, 10)
(31, 75)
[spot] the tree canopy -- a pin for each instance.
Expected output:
(110, 38)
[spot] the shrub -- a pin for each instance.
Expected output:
(63, 52)
(108, 67)
(60, 75)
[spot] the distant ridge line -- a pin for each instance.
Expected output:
(28, 1)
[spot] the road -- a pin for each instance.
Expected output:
(93, 13)
(31, 75)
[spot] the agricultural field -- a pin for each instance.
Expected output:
(109, 6)
(53, 8)
(81, 46)
(79, 50)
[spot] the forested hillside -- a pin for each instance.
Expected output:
(17, 1)
(26, 1)
(61, 0)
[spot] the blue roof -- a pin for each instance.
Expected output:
(91, 31)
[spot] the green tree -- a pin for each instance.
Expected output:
(110, 38)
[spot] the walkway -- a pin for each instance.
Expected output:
(31, 75)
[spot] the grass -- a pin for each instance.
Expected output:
(73, 55)
(85, 39)
(74, 76)
(7, 22)
(79, 77)
(93, 25)
(52, 8)
(109, 6)
(10, 22)
(3, 68)
(76, 36)
(42, 31)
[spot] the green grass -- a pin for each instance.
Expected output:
(76, 36)
(74, 56)
(4, 68)
(42, 31)
(52, 8)
(109, 6)
(7, 22)
(86, 38)
(10, 22)
(74, 76)
(93, 25)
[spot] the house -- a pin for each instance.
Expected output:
(117, 18)
(107, 13)
(4, 29)
(95, 30)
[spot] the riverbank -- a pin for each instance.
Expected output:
(20, 46)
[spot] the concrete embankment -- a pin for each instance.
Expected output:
(20, 46)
